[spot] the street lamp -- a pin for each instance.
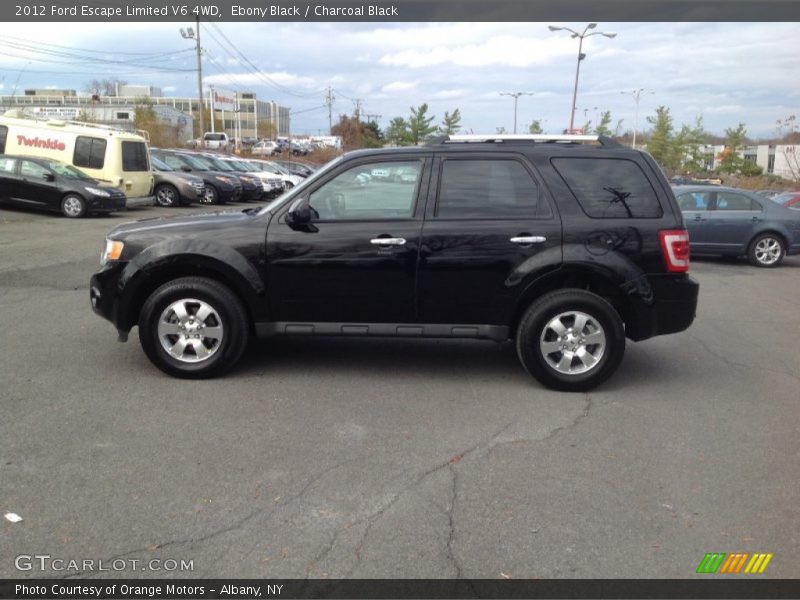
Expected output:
(636, 95)
(189, 34)
(515, 96)
(581, 56)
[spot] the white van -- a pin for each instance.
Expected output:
(117, 158)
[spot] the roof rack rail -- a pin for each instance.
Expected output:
(540, 138)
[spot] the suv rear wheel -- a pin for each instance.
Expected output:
(193, 327)
(571, 340)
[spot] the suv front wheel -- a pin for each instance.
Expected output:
(571, 340)
(193, 327)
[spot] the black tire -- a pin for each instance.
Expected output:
(534, 331)
(766, 250)
(73, 206)
(210, 195)
(228, 317)
(167, 195)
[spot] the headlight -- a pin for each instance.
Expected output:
(97, 191)
(112, 251)
(222, 179)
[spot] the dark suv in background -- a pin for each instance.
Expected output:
(566, 245)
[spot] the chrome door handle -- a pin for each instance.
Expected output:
(531, 239)
(388, 241)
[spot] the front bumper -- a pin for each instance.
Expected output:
(105, 204)
(103, 294)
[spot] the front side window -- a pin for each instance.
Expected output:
(8, 166)
(487, 188)
(134, 156)
(3, 136)
(90, 152)
(356, 195)
(609, 188)
(33, 170)
(694, 201)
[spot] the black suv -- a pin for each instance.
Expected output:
(565, 245)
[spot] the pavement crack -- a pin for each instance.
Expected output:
(452, 524)
(737, 365)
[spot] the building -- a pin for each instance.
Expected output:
(782, 160)
(251, 111)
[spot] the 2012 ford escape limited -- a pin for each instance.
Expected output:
(567, 245)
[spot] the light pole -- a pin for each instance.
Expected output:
(581, 56)
(515, 96)
(636, 95)
(189, 34)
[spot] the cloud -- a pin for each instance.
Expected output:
(449, 94)
(399, 86)
(260, 79)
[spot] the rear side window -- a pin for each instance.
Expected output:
(89, 152)
(732, 201)
(486, 188)
(3, 136)
(609, 188)
(694, 201)
(134, 156)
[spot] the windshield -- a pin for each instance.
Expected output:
(215, 163)
(242, 166)
(160, 164)
(193, 162)
(68, 171)
(301, 187)
(280, 169)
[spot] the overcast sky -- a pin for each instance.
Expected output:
(726, 72)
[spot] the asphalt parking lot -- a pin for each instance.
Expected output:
(391, 458)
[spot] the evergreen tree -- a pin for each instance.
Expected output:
(451, 123)
(536, 127)
(730, 160)
(420, 124)
(603, 126)
(660, 144)
(397, 133)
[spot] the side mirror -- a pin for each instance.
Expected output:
(49, 177)
(299, 213)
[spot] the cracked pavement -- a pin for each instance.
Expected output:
(329, 458)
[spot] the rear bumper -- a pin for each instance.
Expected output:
(670, 307)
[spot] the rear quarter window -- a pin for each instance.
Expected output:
(609, 188)
(134, 156)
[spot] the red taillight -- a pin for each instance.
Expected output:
(675, 248)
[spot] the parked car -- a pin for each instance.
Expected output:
(567, 270)
(220, 187)
(734, 222)
(296, 168)
(50, 184)
(787, 199)
(264, 148)
(273, 183)
(175, 188)
(288, 181)
(252, 189)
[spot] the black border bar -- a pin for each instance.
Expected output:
(158, 589)
(406, 10)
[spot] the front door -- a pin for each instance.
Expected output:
(357, 259)
(34, 186)
(488, 227)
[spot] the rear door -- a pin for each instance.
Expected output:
(732, 221)
(488, 224)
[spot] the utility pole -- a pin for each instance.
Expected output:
(515, 96)
(372, 117)
(329, 98)
(190, 34)
(636, 95)
(358, 102)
